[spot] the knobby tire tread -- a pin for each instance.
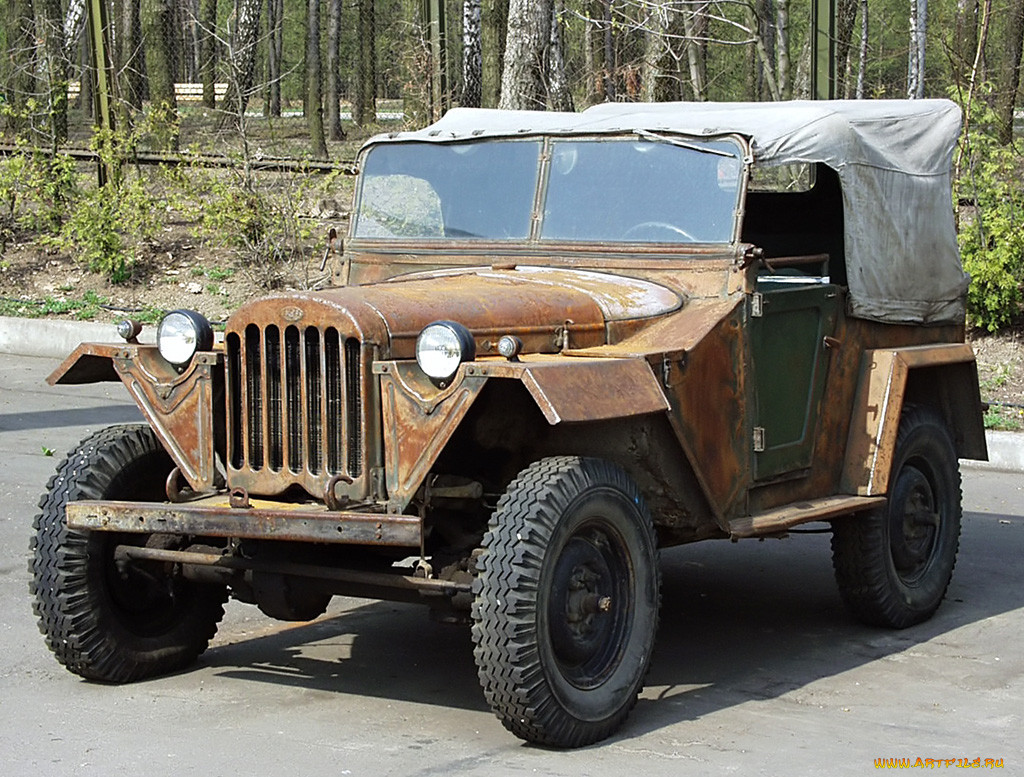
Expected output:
(69, 610)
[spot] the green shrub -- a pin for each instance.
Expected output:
(992, 232)
(108, 225)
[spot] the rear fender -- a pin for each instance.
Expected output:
(944, 377)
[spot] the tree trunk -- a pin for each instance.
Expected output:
(965, 39)
(74, 25)
(52, 69)
(524, 79)
(275, 56)
(559, 95)
(472, 60)
(846, 19)
(334, 130)
(862, 59)
(20, 80)
(695, 25)
(85, 96)
(593, 60)
(1009, 73)
(242, 57)
(208, 51)
(610, 63)
(132, 61)
(157, 46)
(364, 99)
(782, 48)
(657, 47)
(915, 60)
(314, 96)
(494, 23)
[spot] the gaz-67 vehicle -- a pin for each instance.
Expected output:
(557, 343)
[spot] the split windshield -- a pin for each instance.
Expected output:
(637, 189)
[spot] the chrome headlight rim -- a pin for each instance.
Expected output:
(181, 334)
(442, 347)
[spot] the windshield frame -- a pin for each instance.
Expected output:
(547, 141)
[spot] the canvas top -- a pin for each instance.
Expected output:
(893, 158)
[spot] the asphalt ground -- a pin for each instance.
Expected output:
(757, 668)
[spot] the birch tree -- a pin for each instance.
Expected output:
(915, 60)
(524, 78)
(242, 56)
(472, 55)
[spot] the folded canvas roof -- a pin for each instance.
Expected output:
(893, 158)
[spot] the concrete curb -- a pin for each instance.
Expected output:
(56, 339)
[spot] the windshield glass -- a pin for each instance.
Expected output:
(449, 190)
(642, 190)
(638, 189)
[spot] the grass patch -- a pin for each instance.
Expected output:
(1004, 418)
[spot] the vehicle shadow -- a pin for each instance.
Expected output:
(101, 415)
(743, 621)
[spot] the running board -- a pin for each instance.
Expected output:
(780, 519)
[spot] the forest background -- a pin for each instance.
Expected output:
(233, 125)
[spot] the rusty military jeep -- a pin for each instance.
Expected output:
(557, 343)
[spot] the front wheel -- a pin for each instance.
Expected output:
(894, 564)
(103, 619)
(566, 602)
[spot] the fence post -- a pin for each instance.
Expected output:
(104, 79)
(434, 22)
(823, 49)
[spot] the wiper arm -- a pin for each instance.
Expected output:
(683, 144)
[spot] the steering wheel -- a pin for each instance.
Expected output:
(638, 230)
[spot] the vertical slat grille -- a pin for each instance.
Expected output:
(272, 362)
(295, 404)
(293, 399)
(314, 396)
(234, 389)
(254, 395)
(334, 393)
(354, 407)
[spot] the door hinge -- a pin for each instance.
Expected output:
(758, 439)
(756, 304)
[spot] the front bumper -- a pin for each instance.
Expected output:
(215, 516)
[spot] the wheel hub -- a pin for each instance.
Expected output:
(915, 523)
(585, 611)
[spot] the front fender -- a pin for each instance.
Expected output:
(178, 406)
(420, 419)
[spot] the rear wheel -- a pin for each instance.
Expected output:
(105, 619)
(566, 602)
(893, 565)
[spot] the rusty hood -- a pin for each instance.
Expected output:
(536, 304)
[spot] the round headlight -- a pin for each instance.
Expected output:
(442, 347)
(181, 334)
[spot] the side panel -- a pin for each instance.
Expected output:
(790, 362)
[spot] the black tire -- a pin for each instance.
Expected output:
(566, 602)
(101, 623)
(893, 565)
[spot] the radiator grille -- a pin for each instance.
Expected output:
(294, 404)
